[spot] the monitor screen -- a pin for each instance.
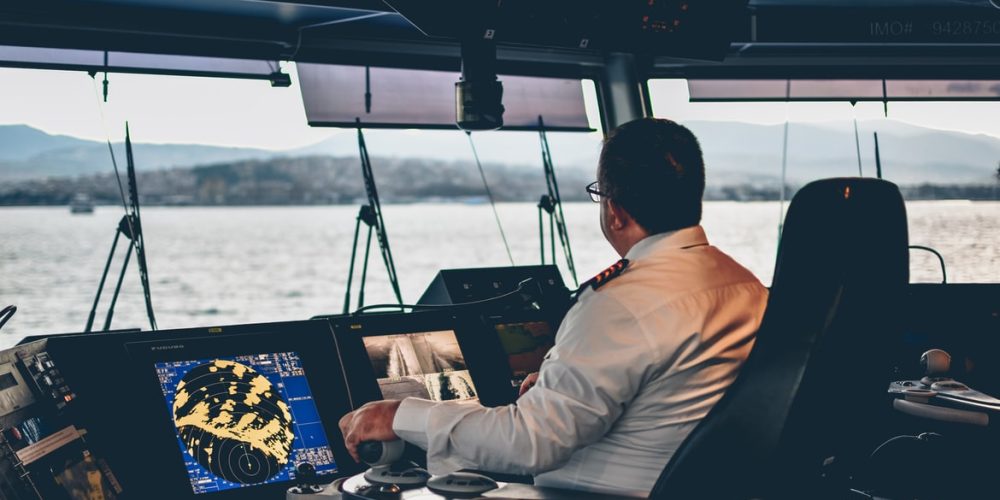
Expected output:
(244, 420)
(427, 365)
(526, 344)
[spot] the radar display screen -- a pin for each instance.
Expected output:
(426, 365)
(244, 420)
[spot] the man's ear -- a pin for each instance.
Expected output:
(619, 218)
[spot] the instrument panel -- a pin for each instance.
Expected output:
(231, 412)
(221, 412)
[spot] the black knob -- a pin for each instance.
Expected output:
(935, 362)
(370, 452)
(305, 473)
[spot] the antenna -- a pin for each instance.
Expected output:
(371, 216)
(551, 203)
(857, 138)
(885, 100)
(784, 162)
(130, 225)
(878, 159)
(138, 240)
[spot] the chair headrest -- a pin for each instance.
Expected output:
(843, 228)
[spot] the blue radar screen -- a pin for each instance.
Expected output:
(244, 420)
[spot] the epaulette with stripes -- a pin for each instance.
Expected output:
(604, 276)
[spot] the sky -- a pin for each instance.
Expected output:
(250, 113)
(166, 109)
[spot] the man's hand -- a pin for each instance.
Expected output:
(371, 422)
(528, 383)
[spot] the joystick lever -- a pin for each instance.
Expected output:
(381, 453)
(305, 473)
(936, 364)
(305, 480)
(387, 466)
(389, 474)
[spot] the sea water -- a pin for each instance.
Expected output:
(229, 265)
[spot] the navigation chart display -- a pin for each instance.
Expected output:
(244, 420)
(425, 365)
(526, 345)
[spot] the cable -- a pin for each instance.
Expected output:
(111, 149)
(944, 271)
(6, 313)
(489, 193)
(114, 162)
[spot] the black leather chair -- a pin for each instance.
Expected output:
(806, 407)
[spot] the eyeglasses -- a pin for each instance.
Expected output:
(595, 194)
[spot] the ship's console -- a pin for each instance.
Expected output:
(246, 411)
(251, 411)
(224, 412)
(393, 478)
(937, 396)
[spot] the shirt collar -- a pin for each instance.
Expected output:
(681, 238)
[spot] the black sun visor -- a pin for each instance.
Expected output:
(100, 61)
(842, 90)
(334, 96)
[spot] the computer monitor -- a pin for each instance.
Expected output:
(428, 365)
(525, 341)
(434, 355)
(217, 413)
(244, 420)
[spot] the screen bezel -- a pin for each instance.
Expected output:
(485, 368)
(492, 322)
(312, 341)
(489, 322)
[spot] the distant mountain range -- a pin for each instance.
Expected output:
(28, 153)
(736, 153)
(323, 180)
(909, 154)
(307, 180)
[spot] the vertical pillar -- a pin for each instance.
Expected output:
(622, 94)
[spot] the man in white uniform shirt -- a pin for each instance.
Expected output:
(637, 362)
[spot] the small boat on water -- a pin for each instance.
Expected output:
(81, 204)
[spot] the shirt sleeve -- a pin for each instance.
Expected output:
(600, 360)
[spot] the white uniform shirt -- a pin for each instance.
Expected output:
(636, 364)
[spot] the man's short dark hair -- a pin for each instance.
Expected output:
(653, 168)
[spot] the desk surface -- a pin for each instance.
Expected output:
(506, 490)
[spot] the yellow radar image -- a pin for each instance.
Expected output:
(233, 421)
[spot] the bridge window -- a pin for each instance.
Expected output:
(945, 156)
(248, 212)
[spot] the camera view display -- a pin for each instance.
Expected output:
(244, 420)
(526, 345)
(425, 365)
